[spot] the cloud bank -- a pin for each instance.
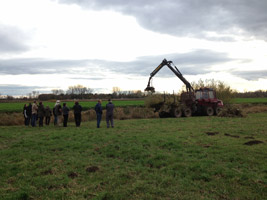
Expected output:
(12, 40)
(191, 63)
(191, 17)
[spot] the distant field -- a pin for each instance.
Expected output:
(185, 158)
(250, 100)
(18, 107)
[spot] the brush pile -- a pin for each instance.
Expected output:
(231, 111)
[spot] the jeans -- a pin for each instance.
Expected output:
(47, 120)
(78, 118)
(27, 121)
(109, 118)
(98, 118)
(55, 120)
(41, 121)
(34, 117)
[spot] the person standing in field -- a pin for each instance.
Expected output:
(48, 114)
(98, 110)
(65, 111)
(109, 113)
(29, 113)
(77, 109)
(41, 114)
(25, 114)
(57, 113)
(34, 114)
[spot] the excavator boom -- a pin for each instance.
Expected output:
(174, 69)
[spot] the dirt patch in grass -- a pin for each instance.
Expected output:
(92, 169)
(234, 136)
(212, 133)
(72, 175)
(47, 172)
(252, 142)
(249, 137)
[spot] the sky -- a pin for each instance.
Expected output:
(101, 44)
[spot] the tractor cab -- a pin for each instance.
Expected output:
(205, 94)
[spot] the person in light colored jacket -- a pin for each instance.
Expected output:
(34, 113)
(57, 113)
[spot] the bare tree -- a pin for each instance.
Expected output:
(57, 91)
(79, 90)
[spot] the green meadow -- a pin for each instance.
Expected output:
(182, 158)
(18, 106)
(250, 100)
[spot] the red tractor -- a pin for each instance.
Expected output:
(192, 102)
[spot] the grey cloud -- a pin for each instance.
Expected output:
(14, 89)
(191, 17)
(38, 66)
(251, 75)
(191, 63)
(12, 40)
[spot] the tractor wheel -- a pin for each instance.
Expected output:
(161, 114)
(209, 111)
(177, 112)
(218, 110)
(187, 112)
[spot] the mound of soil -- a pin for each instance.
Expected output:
(92, 169)
(212, 133)
(234, 136)
(46, 172)
(231, 111)
(252, 142)
(72, 175)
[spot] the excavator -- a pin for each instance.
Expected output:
(192, 102)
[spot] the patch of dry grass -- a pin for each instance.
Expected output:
(120, 113)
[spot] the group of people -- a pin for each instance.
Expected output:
(33, 113)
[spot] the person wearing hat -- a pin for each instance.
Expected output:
(109, 113)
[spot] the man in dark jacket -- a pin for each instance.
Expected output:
(41, 114)
(29, 113)
(109, 114)
(65, 111)
(77, 109)
(98, 110)
(48, 114)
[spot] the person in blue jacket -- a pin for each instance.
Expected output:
(98, 110)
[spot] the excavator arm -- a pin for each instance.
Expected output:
(174, 69)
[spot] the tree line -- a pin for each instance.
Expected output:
(223, 91)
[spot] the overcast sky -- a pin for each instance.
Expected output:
(53, 44)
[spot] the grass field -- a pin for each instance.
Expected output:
(250, 100)
(18, 106)
(184, 158)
